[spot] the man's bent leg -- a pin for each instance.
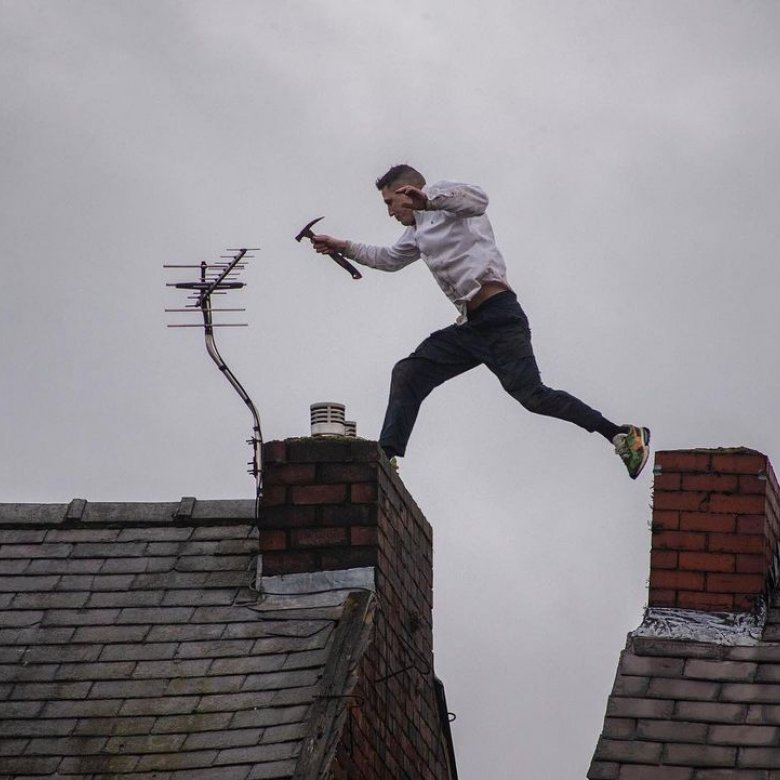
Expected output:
(440, 357)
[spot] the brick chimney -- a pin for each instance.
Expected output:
(716, 524)
(334, 505)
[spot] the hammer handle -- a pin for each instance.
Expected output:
(345, 264)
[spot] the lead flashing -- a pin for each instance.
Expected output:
(729, 629)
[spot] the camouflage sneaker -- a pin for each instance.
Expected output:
(633, 448)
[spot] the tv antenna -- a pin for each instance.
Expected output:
(219, 278)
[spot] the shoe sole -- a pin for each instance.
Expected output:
(646, 448)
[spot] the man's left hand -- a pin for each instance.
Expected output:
(418, 200)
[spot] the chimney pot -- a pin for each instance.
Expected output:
(327, 419)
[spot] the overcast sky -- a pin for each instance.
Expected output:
(631, 154)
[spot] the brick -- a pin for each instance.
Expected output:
(680, 501)
(318, 537)
(290, 474)
(363, 535)
(706, 521)
(274, 452)
(748, 505)
(735, 583)
(751, 564)
(349, 514)
(665, 520)
(348, 472)
(658, 597)
(363, 492)
(667, 481)
(272, 540)
(739, 463)
(274, 495)
(700, 561)
(709, 483)
(348, 558)
(735, 543)
(751, 524)
(682, 460)
(676, 580)
(679, 540)
(319, 494)
(288, 516)
(274, 563)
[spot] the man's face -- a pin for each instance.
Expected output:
(398, 205)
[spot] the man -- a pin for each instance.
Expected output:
(446, 225)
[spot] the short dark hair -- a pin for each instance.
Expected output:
(401, 174)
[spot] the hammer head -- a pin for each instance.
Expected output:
(306, 232)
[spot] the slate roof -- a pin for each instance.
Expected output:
(134, 643)
(692, 710)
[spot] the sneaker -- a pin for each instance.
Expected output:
(633, 448)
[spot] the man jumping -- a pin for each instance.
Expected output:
(447, 226)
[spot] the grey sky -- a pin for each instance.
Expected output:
(630, 151)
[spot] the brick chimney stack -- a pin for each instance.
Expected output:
(334, 506)
(716, 525)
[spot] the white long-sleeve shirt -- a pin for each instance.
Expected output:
(455, 240)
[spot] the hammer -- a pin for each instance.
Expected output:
(337, 256)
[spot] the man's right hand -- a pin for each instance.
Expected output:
(326, 244)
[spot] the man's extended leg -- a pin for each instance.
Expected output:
(508, 354)
(440, 357)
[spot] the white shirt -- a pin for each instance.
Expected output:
(455, 240)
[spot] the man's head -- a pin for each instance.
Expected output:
(398, 204)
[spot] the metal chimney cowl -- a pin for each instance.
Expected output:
(327, 419)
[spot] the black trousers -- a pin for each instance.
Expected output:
(496, 335)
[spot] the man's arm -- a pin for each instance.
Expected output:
(465, 200)
(383, 258)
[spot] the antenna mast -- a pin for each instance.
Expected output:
(217, 279)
